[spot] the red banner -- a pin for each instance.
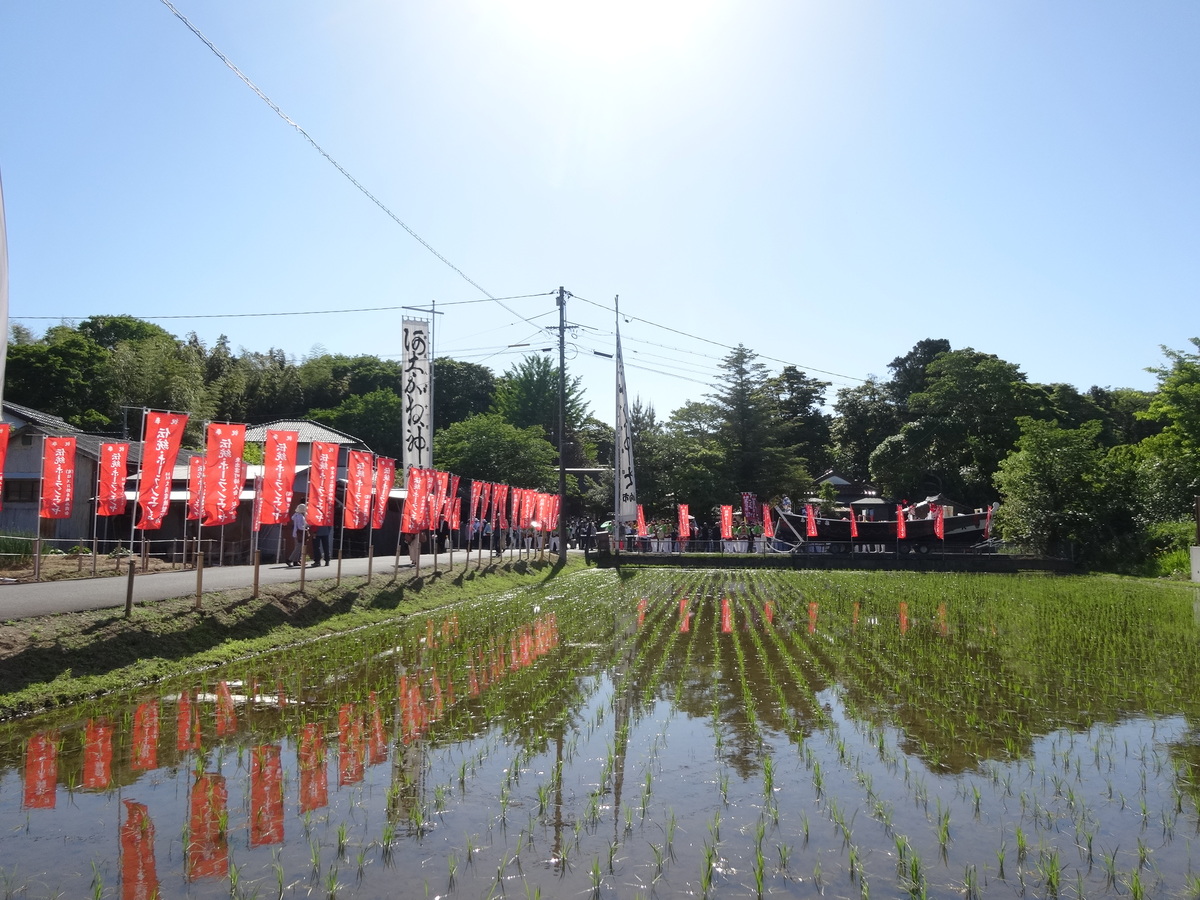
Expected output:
(501, 506)
(416, 504)
(727, 523)
(641, 522)
(358, 489)
(685, 522)
(322, 484)
(810, 520)
(161, 437)
(768, 526)
(453, 504)
(195, 501)
(58, 477)
(226, 513)
(224, 444)
(987, 524)
(853, 523)
(5, 430)
(939, 521)
(110, 486)
(279, 474)
(476, 493)
(385, 477)
(901, 529)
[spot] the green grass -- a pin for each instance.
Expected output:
(73, 656)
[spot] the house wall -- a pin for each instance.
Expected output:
(24, 463)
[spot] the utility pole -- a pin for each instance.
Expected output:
(562, 425)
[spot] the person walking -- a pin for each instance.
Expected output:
(320, 544)
(299, 536)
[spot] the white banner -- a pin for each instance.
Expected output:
(625, 488)
(418, 397)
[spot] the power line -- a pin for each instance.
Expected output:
(306, 312)
(337, 165)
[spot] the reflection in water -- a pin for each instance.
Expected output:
(41, 770)
(145, 736)
(207, 849)
(139, 878)
(266, 796)
(97, 754)
(889, 716)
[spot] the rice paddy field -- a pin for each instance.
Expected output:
(657, 734)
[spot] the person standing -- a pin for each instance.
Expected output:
(321, 536)
(299, 536)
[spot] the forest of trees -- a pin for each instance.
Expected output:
(1108, 475)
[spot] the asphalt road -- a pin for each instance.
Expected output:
(21, 601)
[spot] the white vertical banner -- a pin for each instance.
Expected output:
(625, 487)
(417, 396)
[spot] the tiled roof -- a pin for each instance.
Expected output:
(43, 423)
(308, 431)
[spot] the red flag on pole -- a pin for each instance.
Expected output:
(901, 528)
(727, 523)
(987, 524)
(195, 500)
(685, 522)
(161, 437)
(224, 444)
(500, 505)
(279, 475)
(768, 527)
(322, 484)
(453, 504)
(358, 489)
(810, 519)
(5, 430)
(114, 465)
(641, 522)
(385, 475)
(415, 504)
(853, 524)
(939, 521)
(225, 513)
(58, 477)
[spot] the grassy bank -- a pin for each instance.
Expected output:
(56, 660)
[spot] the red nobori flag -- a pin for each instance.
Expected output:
(223, 446)
(226, 512)
(110, 493)
(518, 504)
(160, 445)
(279, 474)
(453, 504)
(322, 484)
(385, 477)
(768, 526)
(416, 503)
(500, 505)
(476, 494)
(901, 528)
(939, 521)
(853, 524)
(359, 469)
(439, 497)
(810, 519)
(727, 523)
(5, 430)
(195, 500)
(641, 522)
(58, 477)
(685, 522)
(485, 501)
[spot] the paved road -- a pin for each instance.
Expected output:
(21, 601)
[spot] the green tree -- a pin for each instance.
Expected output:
(461, 390)
(750, 430)
(1052, 487)
(65, 374)
(527, 396)
(863, 418)
(489, 448)
(804, 426)
(910, 372)
(111, 331)
(375, 418)
(1177, 400)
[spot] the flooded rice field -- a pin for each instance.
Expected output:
(669, 734)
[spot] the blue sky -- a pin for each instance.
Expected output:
(826, 183)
